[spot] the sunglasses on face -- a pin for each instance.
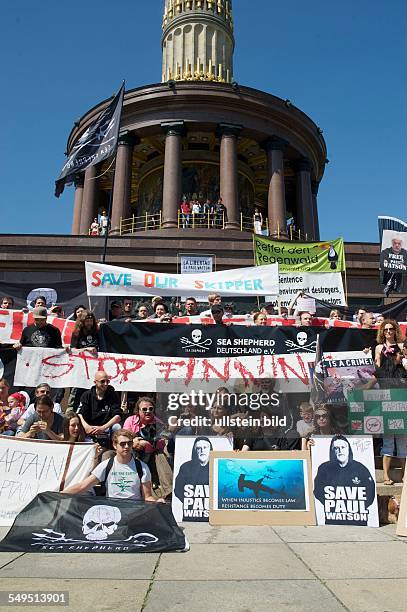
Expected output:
(105, 381)
(124, 444)
(388, 329)
(147, 409)
(321, 416)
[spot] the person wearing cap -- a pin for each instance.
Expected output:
(40, 334)
(57, 311)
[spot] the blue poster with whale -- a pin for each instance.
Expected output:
(260, 484)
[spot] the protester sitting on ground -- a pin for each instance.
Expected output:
(148, 445)
(305, 319)
(142, 312)
(73, 428)
(7, 303)
(306, 425)
(9, 414)
(41, 334)
(44, 424)
(99, 410)
(123, 467)
(40, 390)
(260, 318)
(116, 310)
(214, 299)
(335, 314)
(368, 320)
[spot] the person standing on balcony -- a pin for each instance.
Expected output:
(103, 222)
(195, 213)
(257, 221)
(221, 216)
(185, 212)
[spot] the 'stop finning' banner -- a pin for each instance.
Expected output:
(300, 256)
(102, 279)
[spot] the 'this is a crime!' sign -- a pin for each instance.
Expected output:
(300, 256)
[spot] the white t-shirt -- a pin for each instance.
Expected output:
(123, 481)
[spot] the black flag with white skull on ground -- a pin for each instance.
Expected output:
(96, 144)
(61, 523)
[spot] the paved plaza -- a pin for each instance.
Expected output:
(242, 569)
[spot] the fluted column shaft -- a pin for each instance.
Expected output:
(172, 173)
(77, 207)
(90, 198)
(229, 172)
(122, 180)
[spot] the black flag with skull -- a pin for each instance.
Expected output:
(96, 144)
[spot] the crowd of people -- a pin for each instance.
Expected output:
(133, 435)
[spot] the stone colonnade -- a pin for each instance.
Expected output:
(86, 187)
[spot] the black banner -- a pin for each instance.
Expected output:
(97, 143)
(60, 523)
(174, 340)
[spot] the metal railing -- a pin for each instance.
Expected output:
(207, 220)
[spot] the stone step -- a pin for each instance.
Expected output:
(395, 489)
(396, 474)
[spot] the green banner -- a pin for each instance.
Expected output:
(300, 256)
(378, 411)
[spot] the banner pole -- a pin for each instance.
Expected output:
(109, 214)
(346, 286)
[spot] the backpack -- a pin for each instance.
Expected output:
(102, 487)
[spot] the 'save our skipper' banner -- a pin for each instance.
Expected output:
(300, 256)
(28, 467)
(102, 279)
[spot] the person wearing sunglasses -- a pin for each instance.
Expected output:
(391, 373)
(148, 445)
(122, 476)
(99, 410)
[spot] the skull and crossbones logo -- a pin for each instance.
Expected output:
(196, 341)
(302, 344)
(100, 521)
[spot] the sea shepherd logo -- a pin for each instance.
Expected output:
(196, 344)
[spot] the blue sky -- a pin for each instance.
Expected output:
(343, 63)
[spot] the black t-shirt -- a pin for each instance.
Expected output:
(82, 341)
(44, 337)
(98, 412)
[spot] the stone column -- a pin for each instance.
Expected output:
(314, 191)
(277, 215)
(90, 198)
(122, 180)
(304, 219)
(229, 172)
(172, 173)
(77, 207)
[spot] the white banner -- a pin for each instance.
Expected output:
(28, 467)
(343, 471)
(190, 498)
(12, 323)
(102, 279)
(325, 286)
(143, 373)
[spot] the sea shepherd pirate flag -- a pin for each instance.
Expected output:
(96, 144)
